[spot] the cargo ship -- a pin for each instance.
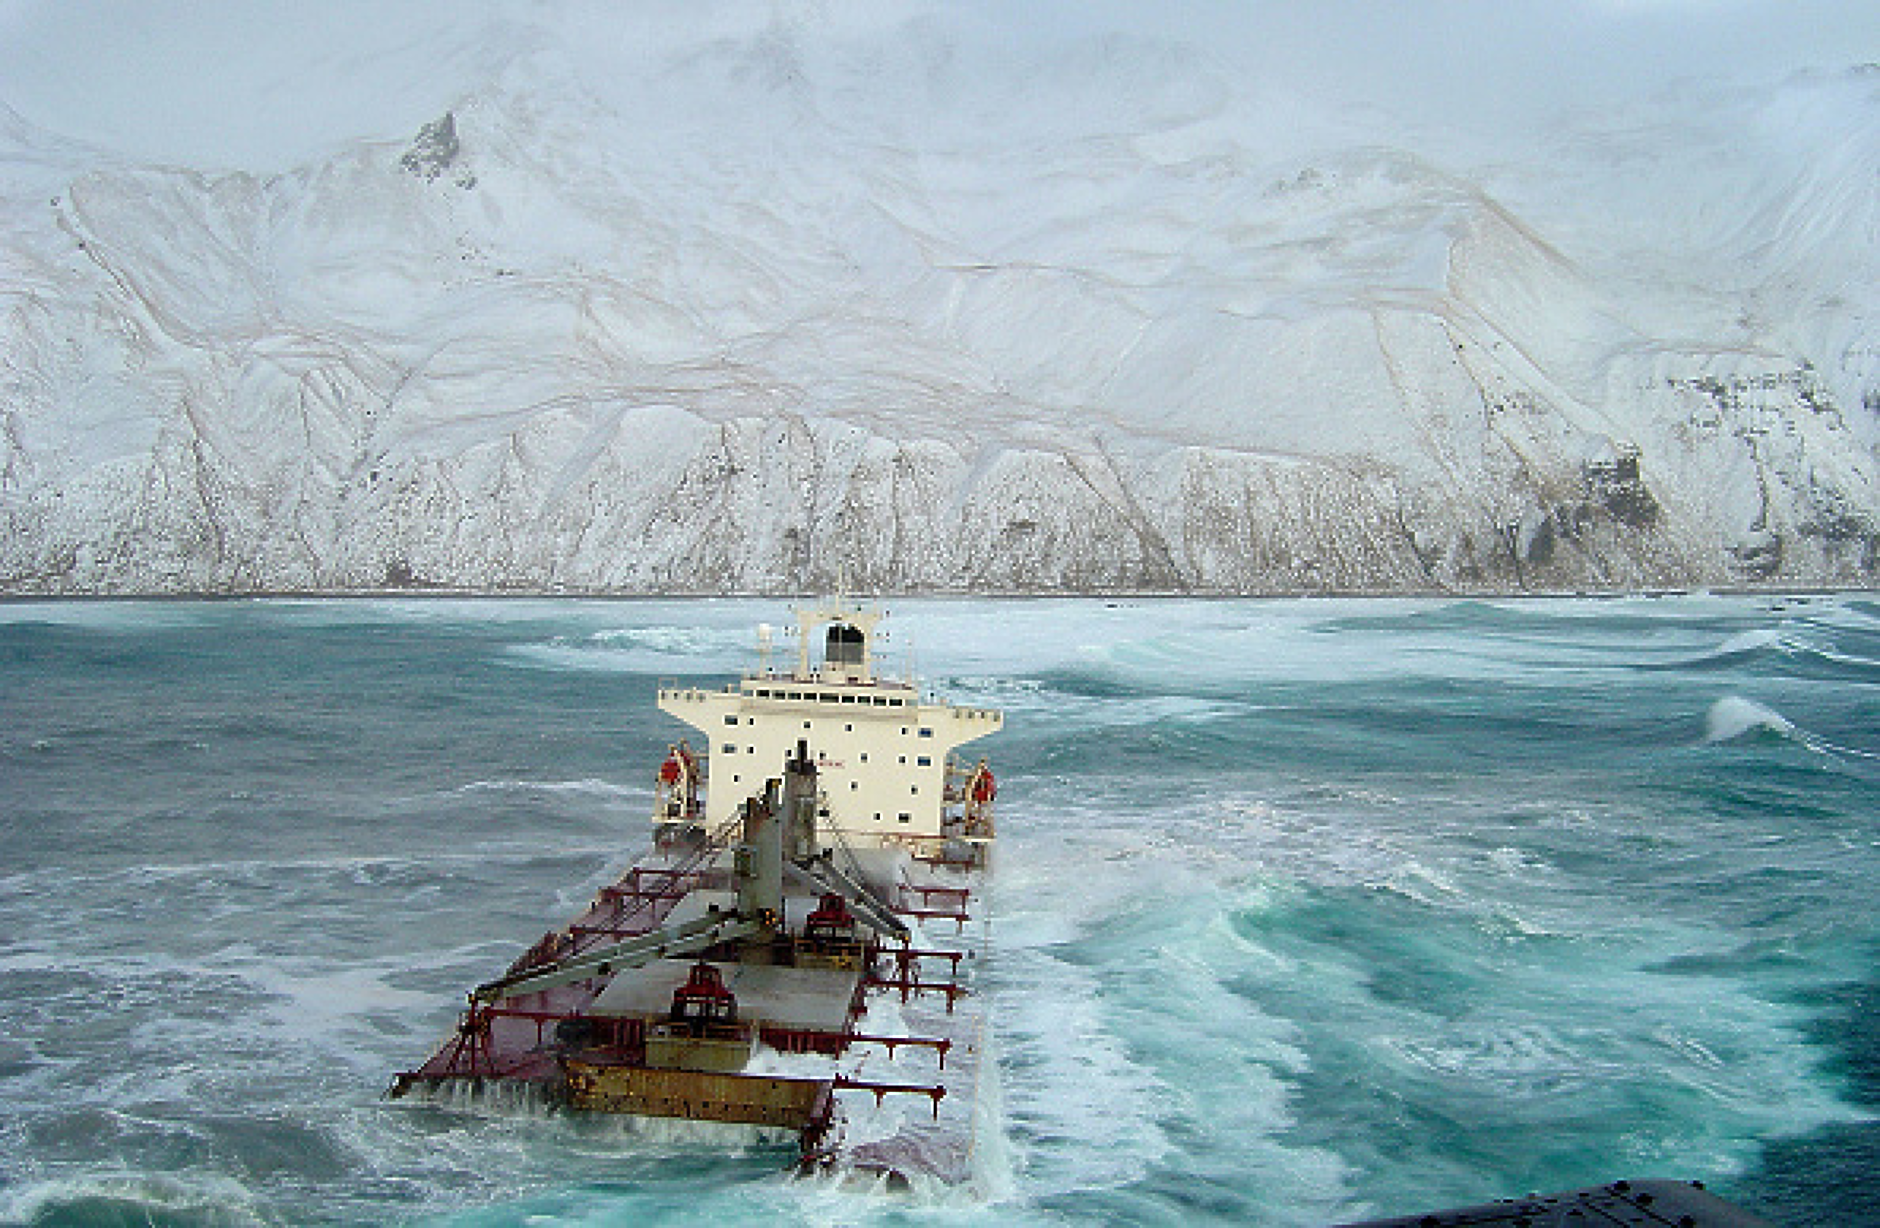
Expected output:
(801, 950)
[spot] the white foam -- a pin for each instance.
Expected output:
(1745, 643)
(199, 1198)
(1733, 716)
(586, 787)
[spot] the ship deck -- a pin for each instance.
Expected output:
(904, 1072)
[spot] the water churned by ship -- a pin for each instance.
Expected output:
(1303, 911)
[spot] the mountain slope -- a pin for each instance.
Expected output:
(911, 311)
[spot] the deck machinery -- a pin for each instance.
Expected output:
(822, 858)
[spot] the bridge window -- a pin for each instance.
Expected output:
(844, 645)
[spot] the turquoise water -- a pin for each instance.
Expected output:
(1305, 910)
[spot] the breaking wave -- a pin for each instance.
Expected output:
(1733, 718)
(132, 1199)
(590, 787)
(1794, 647)
(1748, 644)
(649, 649)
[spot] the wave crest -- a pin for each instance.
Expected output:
(1734, 717)
(140, 1198)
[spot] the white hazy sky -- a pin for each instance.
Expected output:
(262, 84)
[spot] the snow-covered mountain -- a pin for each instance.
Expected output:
(917, 308)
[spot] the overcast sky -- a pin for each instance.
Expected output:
(253, 82)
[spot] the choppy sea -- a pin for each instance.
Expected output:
(1304, 910)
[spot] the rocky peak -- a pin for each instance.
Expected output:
(435, 151)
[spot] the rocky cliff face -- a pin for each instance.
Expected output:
(735, 330)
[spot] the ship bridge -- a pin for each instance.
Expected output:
(885, 755)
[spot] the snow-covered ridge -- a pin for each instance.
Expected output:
(914, 312)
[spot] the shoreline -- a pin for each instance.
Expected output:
(1108, 595)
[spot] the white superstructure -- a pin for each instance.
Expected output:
(884, 756)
